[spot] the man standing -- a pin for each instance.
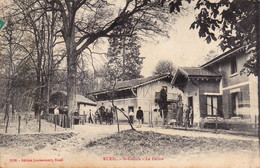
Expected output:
(131, 116)
(163, 103)
(139, 115)
(90, 117)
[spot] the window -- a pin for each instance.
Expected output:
(233, 65)
(234, 103)
(212, 105)
(166, 89)
(130, 108)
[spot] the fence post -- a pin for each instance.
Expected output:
(7, 124)
(152, 118)
(163, 117)
(71, 121)
(19, 124)
(216, 124)
(55, 120)
(26, 119)
(65, 123)
(39, 123)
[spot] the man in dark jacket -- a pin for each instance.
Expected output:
(139, 115)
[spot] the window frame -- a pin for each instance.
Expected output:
(234, 106)
(213, 111)
(233, 65)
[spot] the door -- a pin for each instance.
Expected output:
(190, 104)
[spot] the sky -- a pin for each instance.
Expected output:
(183, 48)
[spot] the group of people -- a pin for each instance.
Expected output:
(139, 116)
(184, 115)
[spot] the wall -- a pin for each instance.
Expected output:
(253, 91)
(243, 100)
(192, 90)
(84, 108)
(210, 86)
(146, 97)
(120, 103)
(245, 85)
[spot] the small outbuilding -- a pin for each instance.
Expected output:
(59, 98)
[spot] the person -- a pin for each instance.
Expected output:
(131, 116)
(102, 111)
(102, 108)
(187, 119)
(76, 119)
(106, 115)
(191, 117)
(97, 117)
(180, 114)
(156, 117)
(139, 115)
(56, 110)
(90, 117)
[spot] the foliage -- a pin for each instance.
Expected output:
(212, 54)
(235, 20)
(164, 67)
(230, 21)
(124, 57)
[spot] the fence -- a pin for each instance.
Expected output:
(61, 120)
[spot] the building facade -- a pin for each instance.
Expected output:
(238, 89)
(200, 89)
(131, 94)
(59, 98)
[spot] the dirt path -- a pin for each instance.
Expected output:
(73, 152)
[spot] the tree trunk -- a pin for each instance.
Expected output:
(71, 80)
(257, 5)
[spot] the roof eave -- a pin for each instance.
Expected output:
(220, 57)
(134, 86)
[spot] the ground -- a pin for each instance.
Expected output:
(103, 146)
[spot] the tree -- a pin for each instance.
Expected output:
(212, 54)
(81, 31)
(14, 62)
(236, 22)
(124, 55)
(40, 27)
(164, 67)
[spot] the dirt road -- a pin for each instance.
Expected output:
(73, 150)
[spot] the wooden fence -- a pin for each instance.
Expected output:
(61, 120)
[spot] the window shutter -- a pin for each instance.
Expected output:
(230, 112)
(220, 109)
(240, 100)
(203, 105)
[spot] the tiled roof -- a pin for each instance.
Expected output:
(198, 71)
(134, 83)
(79, 98)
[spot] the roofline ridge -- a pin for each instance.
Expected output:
(225, 54)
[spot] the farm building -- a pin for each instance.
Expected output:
(197, 84)
(59, 98)
(131, 94)
(238, 90)
(217, 90)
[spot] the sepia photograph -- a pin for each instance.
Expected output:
(129, 83)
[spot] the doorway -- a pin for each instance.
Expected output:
(190, 104)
